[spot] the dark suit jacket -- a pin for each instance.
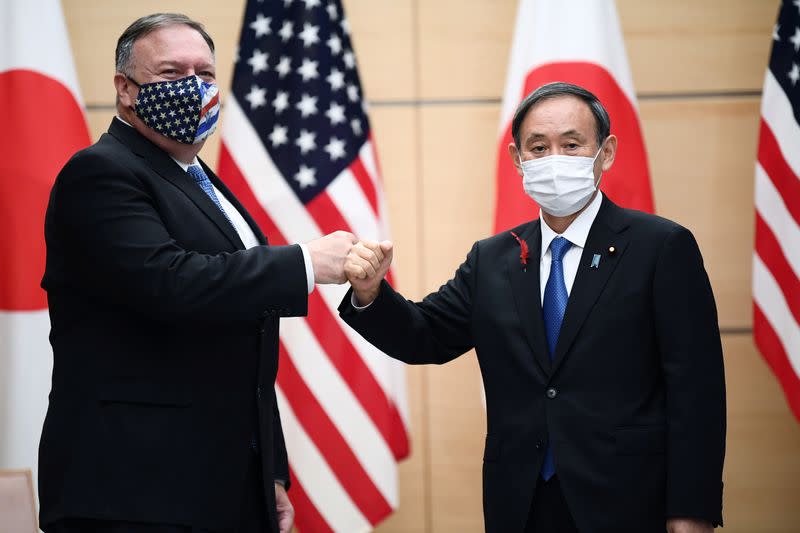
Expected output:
(634, 402)
(165, 342)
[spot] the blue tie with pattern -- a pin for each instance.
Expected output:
(201, 179)
(553, 307)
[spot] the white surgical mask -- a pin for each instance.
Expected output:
(561, 184)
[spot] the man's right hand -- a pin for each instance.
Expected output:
(328, 255)
(366, 265)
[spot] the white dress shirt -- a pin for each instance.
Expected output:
(576, 233)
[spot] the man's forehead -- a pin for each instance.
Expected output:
(563, 112)
(562, 104)
(173, 42)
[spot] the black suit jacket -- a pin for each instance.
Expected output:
(165, 343)
(634, 401)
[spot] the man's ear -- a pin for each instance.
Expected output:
(515, 157)
(126, 90)
(609, 152)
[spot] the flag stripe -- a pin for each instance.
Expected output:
(768, 296)
(347, 195)
(772, 348)
(361, 381)
(309, 520)
(770, 253)
(314, 474)
(772, 209)
(779, 172)
(313, 364)
(380, 365)
(365, 181)
(777, 112)
(314, 357)
(326, 216)
(289, 209)
(338, 455)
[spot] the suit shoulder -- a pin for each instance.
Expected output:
(650, 224)
(105, 155)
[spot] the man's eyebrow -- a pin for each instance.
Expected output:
(169, 63)
(572, 133)
(534, 136)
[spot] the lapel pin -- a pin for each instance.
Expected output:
(595, 261)
(611, 250)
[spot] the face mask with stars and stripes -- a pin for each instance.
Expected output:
(185, 110)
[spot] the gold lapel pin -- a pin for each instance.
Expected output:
(611, 250)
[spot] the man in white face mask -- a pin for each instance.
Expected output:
(596, 331)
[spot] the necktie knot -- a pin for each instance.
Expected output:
(197, 173)
(559, 247)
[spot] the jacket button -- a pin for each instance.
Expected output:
(538, 445)
(551, 393)
(258, 393)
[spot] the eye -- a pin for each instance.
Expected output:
(538, 149)
(572, 146)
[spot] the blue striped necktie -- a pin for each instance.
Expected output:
(201, 179)
(553, 307)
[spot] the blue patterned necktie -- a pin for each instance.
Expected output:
(201, 179)
(553, 307)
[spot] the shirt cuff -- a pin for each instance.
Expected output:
(355, 305)
(309, 267)
(281, 482)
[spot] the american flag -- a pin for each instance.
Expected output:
(297, 151)
(776, 258)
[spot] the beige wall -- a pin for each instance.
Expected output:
(434, 72)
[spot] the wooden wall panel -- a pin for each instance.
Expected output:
(383, 39)
(464, 47)
(702, 154)
(689, 46)
(394, 131)
(458, 166)
(762, 463)
(677, 46)
(95, 25)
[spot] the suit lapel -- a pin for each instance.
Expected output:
(606, 232)
(167, 168)
(527, 296)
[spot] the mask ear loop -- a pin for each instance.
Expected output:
(594, 160)
(132, 81)
(138, 86)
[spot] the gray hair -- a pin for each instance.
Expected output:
(145, 25)
(559, 88)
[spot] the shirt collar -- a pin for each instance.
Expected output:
(184, 166)
(578, 231)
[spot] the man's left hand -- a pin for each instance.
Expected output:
(285, 509)
(688, 525)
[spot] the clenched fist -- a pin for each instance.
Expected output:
(328, 254)
(366, 265)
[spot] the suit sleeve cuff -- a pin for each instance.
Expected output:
(309, 267)
(355, 305)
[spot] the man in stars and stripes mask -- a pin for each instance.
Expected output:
(165, 300)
